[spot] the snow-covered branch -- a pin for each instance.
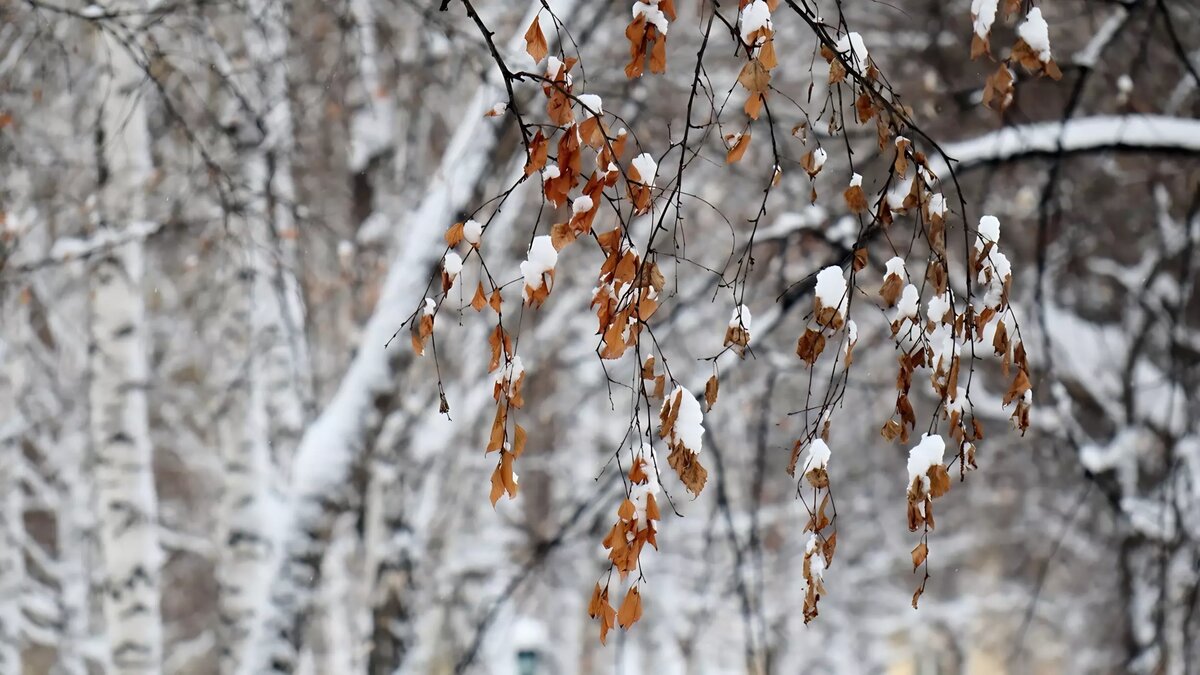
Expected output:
(1150, 133)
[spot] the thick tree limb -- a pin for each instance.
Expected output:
(1142, 133)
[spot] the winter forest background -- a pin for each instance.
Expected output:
(215, 215)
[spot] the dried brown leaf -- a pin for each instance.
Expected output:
(535, 42)
(738, 149)
(631, 609)
(710, 391)
(919, 554)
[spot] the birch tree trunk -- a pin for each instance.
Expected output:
(124, 477)
(119, 424)
(373, 150)
(12, 563)
(278, 376)
(372, 132)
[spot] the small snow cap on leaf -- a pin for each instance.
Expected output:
(682, 426)
(983, 13)
(1036, 34)
(927, 454)
(937, 307)
(542, 259)
(818, 455)
(422, 327)
(654, 16)
(856, 199)
(909, 301)
(756, 16)
(592, 103)
(472, 231)
(852, 44)
(737, 144)
(582, 204)
(937, 204)
(646, 168)
(831, 296)
(452, 264)
(813, 160)
(989, 232)
(738, 332)
(689, 424)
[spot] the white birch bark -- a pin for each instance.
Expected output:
(372, 132)
(119, 425)
(12, 563)
(41, 366)
(124, 478)
(76, 529)
(278, 376)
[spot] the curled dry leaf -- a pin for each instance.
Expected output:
(754, 104)
(891, 430)
(1020, 385)
(864, 108)
(710, 391)
(421, 330)
(979, 47)
(917, 595)
(856, 199)
(860, 259)
(538, 149)
(939, 481)
(1023, 54)
(561, 234)
(812, 162)
(600, 608)
(535, 41)
(647, 42)
(519, 439)
(901, 162)
(504, 481)
(501, 345)
(919, 554)
(829, 548)
(767, 56)
(810, 345)
(755, 77)
(631, 609)
(998, 90)
(454, 235)
(687, 465)
(479, 300)
(890, 291)
(738, 148)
